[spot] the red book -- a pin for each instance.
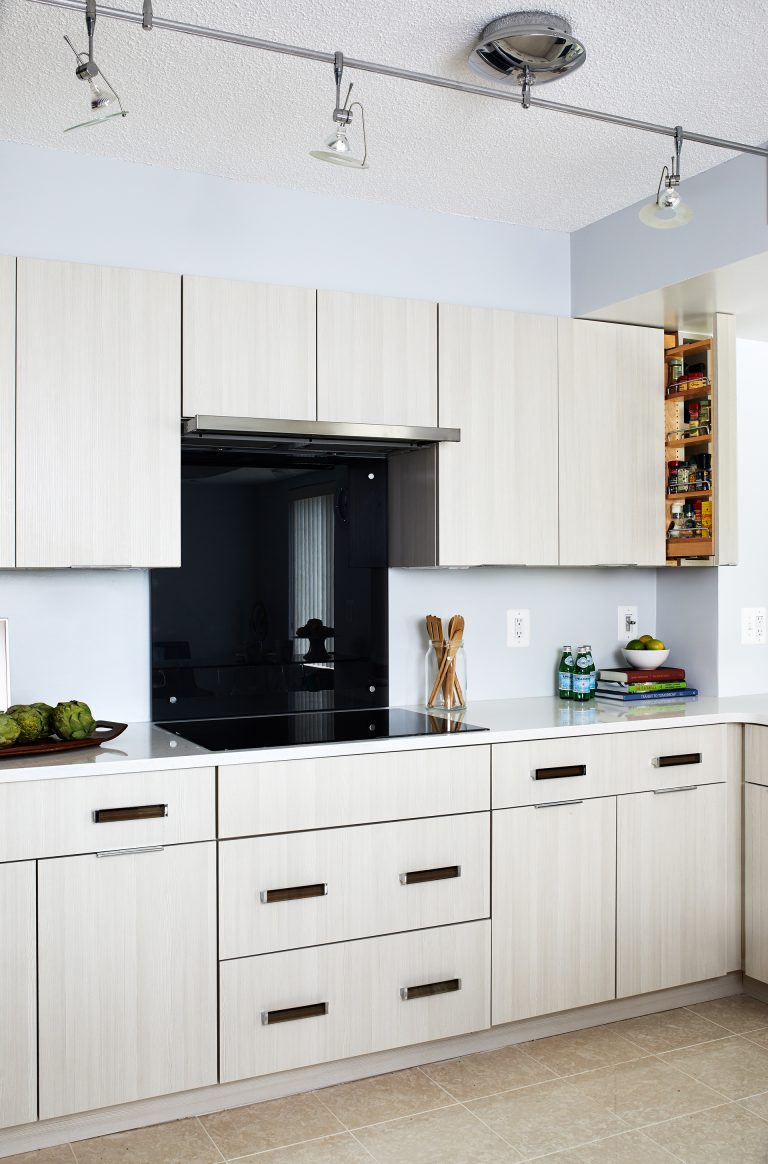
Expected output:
(656, 675)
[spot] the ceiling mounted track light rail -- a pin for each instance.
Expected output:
(408, 75)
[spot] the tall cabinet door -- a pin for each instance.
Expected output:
(756, 880)
(98, 414)
(498, 486)
(128, 965)
(18, 995)
(7, 411)
(554, 895)
(671, 915)
(611, 444)
(376, 359)
(249, 350)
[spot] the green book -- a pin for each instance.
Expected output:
(632, 688)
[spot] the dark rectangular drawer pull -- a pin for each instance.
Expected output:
(561, 771)
(135, 812)
(675, 761)
(292, 1013)
(419, 876)
(449, 986)
(293, 893)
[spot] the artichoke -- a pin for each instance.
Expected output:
(9, 731)
(46, 711)
(73, 720)
(31, 723)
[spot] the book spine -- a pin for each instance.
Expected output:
(640, 696)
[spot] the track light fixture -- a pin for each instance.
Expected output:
(668, 211)
(337, 148)
(103, 98)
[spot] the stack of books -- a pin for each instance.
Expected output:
(639, 686)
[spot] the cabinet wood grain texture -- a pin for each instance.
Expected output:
(756, 881)
(498, 497)
(98, 409)
(18, 995)
(127, 976)
(671, 888)
(554, 898)
(611, 444)
(7, 412)
(376, 359)
(361, 869)
(249, 349)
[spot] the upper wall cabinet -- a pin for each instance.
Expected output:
(611, 444)
(249, 350)
(97, 427)
(7, 409)
(376, 359)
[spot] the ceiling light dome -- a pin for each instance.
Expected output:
(534, 44)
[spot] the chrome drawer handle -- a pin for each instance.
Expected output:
(136, 812)
(292, 1014)
(420, 876)
(677, 761)
(681, 788)
(449, 986)
(561, 772)
(131, 852)
(293, 893)
(557, 803)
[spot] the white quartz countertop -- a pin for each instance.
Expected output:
(144, 747)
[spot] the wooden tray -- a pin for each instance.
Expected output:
(105, 730)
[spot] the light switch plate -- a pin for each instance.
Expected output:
(627, 624)
(518, 628)
(753, 626)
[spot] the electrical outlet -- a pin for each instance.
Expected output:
(518, 628)
(627, 625)
(753, 626)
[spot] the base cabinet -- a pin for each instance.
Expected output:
(671, 888)
(18, 1007)
(127, 976)
(554, 896)
(756, 880)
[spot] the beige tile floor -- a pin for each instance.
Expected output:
(689, 1085)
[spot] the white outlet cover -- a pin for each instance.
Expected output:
(518, 628)
(753, 626)
(627, 612)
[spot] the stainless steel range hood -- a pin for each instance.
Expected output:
(320, 437)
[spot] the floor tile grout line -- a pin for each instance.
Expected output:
(205, 1131)
(695, 1078)
(482, 1122)
(599, 1140)
(281, 1147)
(365, 1147)
(403, 1115)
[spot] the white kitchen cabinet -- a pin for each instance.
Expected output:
(554, 898)
(7, 411)
(376, 359)
(249, 350)
(18, 995)
(671, 919)
(756, 880)
(611, 444)
(127, 976)
(492, 498)
(98, 414)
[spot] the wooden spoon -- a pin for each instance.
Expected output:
(455, 636)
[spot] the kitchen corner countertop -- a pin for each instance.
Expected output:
(144, 747)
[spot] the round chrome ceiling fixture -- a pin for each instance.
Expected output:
(532, 46)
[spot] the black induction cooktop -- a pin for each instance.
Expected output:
(312, 727)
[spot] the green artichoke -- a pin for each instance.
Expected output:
(46, 711)
(31, 723)
(73, 720)
(9, 731)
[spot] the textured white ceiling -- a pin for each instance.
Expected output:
(220, 109)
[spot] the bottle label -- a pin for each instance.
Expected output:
(568, 661)
(581, 684)
(582, 662)
(565, 681)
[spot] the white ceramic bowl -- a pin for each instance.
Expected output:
(645, 660)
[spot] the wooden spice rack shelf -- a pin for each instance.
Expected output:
(700, 393)
(699, 545)
(691, 495)
(684, 350)
(685, 441)
(690, 548)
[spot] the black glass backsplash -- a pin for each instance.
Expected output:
(271, 547)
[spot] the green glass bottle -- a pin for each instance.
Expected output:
(565, 674)
(581, 680)
(592, 671)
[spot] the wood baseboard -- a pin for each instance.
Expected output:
(164, 1108)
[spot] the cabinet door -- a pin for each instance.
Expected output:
(127, 954)
(671, 888)
(756, 881)
(18, 1001)
(98, 413)
(249, 350)
(498, 486)
(611, 444)
(554, 895)
(376, 359)
(7, 411)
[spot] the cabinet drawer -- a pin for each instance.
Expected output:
(613, 764)
(89, 814)
(280, 1011)
(291, 795)
(282, 892)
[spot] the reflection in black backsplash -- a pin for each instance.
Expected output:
(280, 603)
